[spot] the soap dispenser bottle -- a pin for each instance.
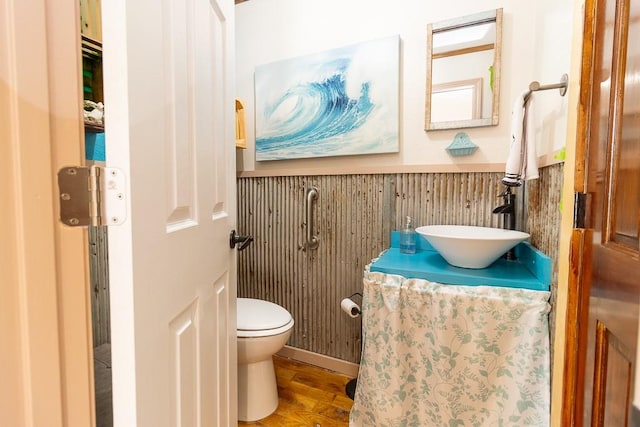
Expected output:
(408, 238)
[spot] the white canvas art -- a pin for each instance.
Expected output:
(336, 103)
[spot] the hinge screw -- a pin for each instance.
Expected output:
(74, 221)
(65, 196)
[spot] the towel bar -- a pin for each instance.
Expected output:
(562, 86)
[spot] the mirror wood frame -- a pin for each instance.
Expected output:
(456, 23)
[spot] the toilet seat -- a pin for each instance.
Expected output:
(259, 318)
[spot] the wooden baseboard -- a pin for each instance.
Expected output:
(320, 360)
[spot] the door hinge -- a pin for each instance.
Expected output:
(92, 195)
(579, 210)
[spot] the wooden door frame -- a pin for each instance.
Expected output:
(579, 274)
(45, 293)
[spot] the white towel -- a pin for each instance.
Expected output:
(522, 162)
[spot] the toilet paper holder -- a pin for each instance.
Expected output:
(353, 310)
(350, 307)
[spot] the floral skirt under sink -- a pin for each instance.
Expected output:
(445, 355)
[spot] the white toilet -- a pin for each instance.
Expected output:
(263, 329)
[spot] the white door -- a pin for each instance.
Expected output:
(169, 113)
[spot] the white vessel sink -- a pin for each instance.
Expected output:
(468, 246)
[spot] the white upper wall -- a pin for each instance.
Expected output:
(536, 46)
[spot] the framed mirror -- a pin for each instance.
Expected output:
(463, 71)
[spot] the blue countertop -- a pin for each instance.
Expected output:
(531, 269)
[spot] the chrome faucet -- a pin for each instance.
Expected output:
(508, 212)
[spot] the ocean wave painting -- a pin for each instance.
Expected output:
(335, 103)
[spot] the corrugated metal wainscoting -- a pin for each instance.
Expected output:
(543, 223)
(353, 218)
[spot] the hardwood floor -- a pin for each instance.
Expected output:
(309, 396)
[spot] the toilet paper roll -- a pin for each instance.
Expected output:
(350, 307)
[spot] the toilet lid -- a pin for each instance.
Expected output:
(259, 315)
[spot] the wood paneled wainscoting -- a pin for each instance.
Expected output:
(353, 218)
(99, 270)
